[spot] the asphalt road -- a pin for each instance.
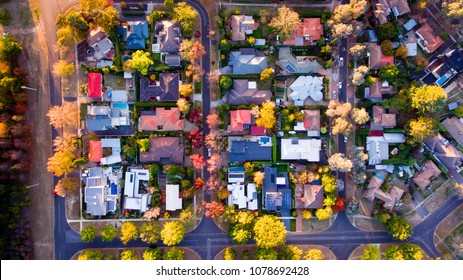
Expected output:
(207, 240)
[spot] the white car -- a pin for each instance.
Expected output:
(334, 94)
(340, 85)
(345, 139)
(209, 152)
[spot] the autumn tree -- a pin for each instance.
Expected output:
(263, 254)
(389, 73)
(65, 143)
(225, 82)
(174, 253)
(338, 162)
(411, 252)
(328, 182)
(338, 109)
(213, 209)
(108, 233)
(64, 116)
(186, 89)
(128, 255)
(141, 61)
(453, 9)
(223, 193)
(192, 50)
(211, 140)
(314, 254)
(172, 233)
(360, 116)
(357, 50)
(401, 52)
(427, 99)
(229, 254)
(129, 231)
(324, 213)
(187, 217)
(67, 186)
(371, 253)
(144, 144)
(290, 252)
(186, 16)
(419, 130)
(267, 117)
(149, 232)
(399, 228)
(10, 48)
(152, 254)
(342, 30)
(269, 232)
(341, 126)
(63, 69)
(393, 253)
(169, 5)
(197, 160)
(87, 255)
(259, 178)
(456, 189)
(214, 163)
(61, 163)
(285, 21)
(266, 75)
(88, 233)
(183, 105)
(358, 77)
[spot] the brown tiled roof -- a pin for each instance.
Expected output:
(401, 6)
(312, 119)
(373, 191)
(239, 25)
(378, 112)
(383, 119)
(162, 120)
(169, 149)
(309, 28)
(388, 120)
(433, 42)
(422, 179)
(377, 59)
(377, 90)
(313, 196)
(381, 11)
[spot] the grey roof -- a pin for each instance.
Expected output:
(165, 150)
(242, 151)
(95, 201)
(248, 61)
(169, 35)
(241, 94)
(94, 36)
(98, 123)
(455, 127)
(450, 157)
(275, 197)
(166, 91)
(172, 60)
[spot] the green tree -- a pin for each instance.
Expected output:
(10, 48)
(229, 254)
(371, 253)
(172, 233)
(266, 75)
(393, 253)
(76, 21)
(88, 255)
(412, 252)
(290, 252)
(269, 232)
(399, 228)
(67, 37)
(458, 112)
(108, 19)
(88, 233)
(225, 82)
(314, 254)
(152, 254)
(174, 253)
(399, 102)
(389, 73)
(240, 234)
(266, 254)
(108, 233)
(128, 232)
(419, 130)
(186, 16)
(149, 232)
(386, 47)
(224, 46)
(92, 7)
(169, 5)
(387, 31)
(141, 61)
(427, 99)
(128, 255)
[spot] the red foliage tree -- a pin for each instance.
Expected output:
(19, 108)
(197, 139)
(199, 183)
(213, 120)
(211, 141)
(195, 116)
(214, 163)
(20, 72)
(213, 209)
(197, 161)
(339, 205)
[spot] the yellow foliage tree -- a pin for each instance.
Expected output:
(418, 130)
(314, 254)
(341, 125)
(186, 90)
(259, 178)
(360, 116)
(183, 105)
(285, 21)
(269, 232)
(266, 75)
(267, 115)
(427, 99)
(61, 163)
(172, 233)
(129, 231)
(324, 213)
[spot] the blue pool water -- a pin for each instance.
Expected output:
(265, 140)
(113, 189)
(290, 68)
(122, 106)
(441, 80)
(236, 169)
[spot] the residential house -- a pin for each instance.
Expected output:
(240, 120)
(164, 150)
(173, 199)
(102, 118)
(449, 156)
(305, 86)
(390, 198)
(245, 92)
(242, 195)
(162, 119)
(378, 146)
(276, 194)
(427, 40)
(307, 33)
(101, 191)
(382, 119)
(383, 9)
(291, 64)
(165, 89)
(169, 37)
(241, 26)
(376, 91)
(254, 148)
(134, 34)
(444, 68)
(454, 126)
(301, 149)
(377, 59)
(106, 151)
(97, 46)
(136, 189)
(424, 177)
(309, 196)
(94, 81)
(311, 123)
(247, 61)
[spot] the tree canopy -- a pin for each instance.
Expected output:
(172, 233)
(427, 99)
(186, 16)
(371, 253)
(399, 228)
(129, 231)
(141, 61)
(285, 21)
(269, 232)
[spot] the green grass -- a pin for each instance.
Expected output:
(5, 17)
(83, 111)
(292, 225)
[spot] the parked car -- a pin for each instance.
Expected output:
(340, 85)
(209, 152)
(334, 94)
(345, 139)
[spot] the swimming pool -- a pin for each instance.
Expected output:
(122, 106)
(265, 140)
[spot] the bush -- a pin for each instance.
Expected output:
(5, 17)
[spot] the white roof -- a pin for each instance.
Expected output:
(112, 159)
(114, 143)
(156, 48)
(295, 149)
(118, 96)
(394, 138)
(98, 110)
(281, 180)
(412, 49)
(237, 195)
(173, 201)
(128, 75)
(252, 192)
(132, 203)
(259, 42)
(129, 184)
(252, 85)
(305, 86)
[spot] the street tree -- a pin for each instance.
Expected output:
(401, 52)
(290, 252)
(314, 254)
(360, 116)
(338, 109)
(129, 231)
(453, 9)
(173, 254)
(10, 48)
(61, 163)
(285, 21)
(265, 254)
(225, 82)
(358, 77)
(172, 233)
(399, 228)
(64, 116)
(108, 233)
(342, 30)
(63, 69)
(169, 5)
(128, 255)
(269, 232)
(152, 254)
(187, 217)
(88, 233)
(338, 162)
(411, 252)
(328, 182)
(371, 253)
(88, 255)
(67, 186)
(427, 99)
(149, 232)
(229, 254)
(324, 213)
(357, 50)
(341, 126)
(393, 253)
(419, 130)
(183, 105)
(186, 16)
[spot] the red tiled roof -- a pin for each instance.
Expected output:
(94, 85)
(238, 118)
(376, 133)
(96, 151)
(377, 59)
(162, 120)
(257, 130)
